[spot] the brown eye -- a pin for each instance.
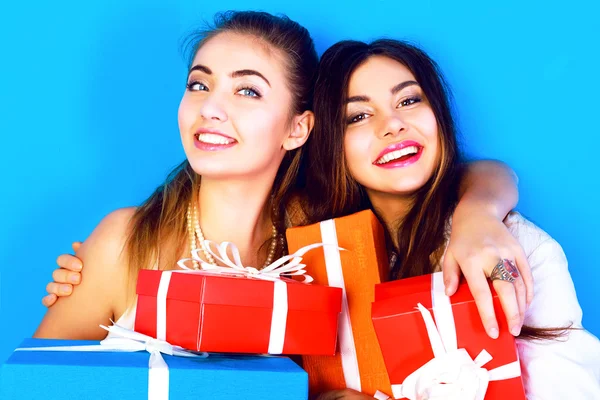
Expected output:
(410, 101)
(357, 118)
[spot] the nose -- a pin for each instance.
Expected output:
(212, 108)
(393, 126)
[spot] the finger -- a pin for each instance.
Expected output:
(76, 246)
(508, 299)
(521, 295)
(478, 285)
(65, 276)
(525, 272)
(70, 262)
(63, 289)
(49, 300)
(451, 272)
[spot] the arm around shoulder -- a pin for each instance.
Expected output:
(103, 285)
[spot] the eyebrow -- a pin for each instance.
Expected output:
(394, 90)
(248, 72)
(199, 67)
(234, 74)
(402, 85)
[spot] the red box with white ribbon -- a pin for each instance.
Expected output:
(435, 346)
(237, 311)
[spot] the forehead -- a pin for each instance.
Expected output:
(378, 73)
(227, 52)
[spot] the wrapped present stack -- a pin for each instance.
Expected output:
(400, 339)
(406, 338)
(181, 315)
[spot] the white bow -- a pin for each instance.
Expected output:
(126, 340)
(452, 374)
(130, 341)
(289, 265)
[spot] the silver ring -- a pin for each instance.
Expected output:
(505, 270)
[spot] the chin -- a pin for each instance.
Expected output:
(407, 188)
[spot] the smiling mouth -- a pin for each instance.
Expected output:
(398, 155)
(214, 139)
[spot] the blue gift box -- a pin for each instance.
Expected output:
(100, 375)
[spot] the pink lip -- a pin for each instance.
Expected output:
(212, 146)
(400, 146)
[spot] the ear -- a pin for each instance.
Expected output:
(301, 128)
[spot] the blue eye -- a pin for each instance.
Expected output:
(196, 87)
(249, 92)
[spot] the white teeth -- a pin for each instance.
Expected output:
(211, 138)
(396, 154)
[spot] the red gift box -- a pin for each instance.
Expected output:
(407, 344)
(237, 314)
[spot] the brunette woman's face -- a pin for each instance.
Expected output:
(391, 143)
(234, 117)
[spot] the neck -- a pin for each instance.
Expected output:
(237, 212)
(392, 209)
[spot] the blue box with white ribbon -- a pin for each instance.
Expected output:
(34, 373)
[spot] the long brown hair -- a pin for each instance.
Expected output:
(331, 187)
(332, 191)
(158, 227)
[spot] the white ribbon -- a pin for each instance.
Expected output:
(126, 340)
(335, 276)
(288, 266)
(452, 374)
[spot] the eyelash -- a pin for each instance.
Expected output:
(252, 89)
(352, 120)
(412, 100)
(257, 94)
(194, 83)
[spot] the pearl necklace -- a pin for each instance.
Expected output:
(196, 235)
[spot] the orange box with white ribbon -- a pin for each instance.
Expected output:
(356, 269)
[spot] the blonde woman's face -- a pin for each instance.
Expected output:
(391, 141)
(234, 115)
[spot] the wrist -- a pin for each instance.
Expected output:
(469, 205)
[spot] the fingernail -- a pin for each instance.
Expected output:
(78, 267)
(65, 288)
(74, 278)
(494, 333)
(515, 330)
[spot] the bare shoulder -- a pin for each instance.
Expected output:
(104, 282)
(110, 234)
(103, 253)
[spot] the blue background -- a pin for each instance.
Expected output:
(90, 95)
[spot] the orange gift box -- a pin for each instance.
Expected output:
(356, 269)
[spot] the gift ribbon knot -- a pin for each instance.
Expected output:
(287, 266)
(452, 374)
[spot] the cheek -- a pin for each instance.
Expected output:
(356, 151)
(430, 125)
(185, 114)
(261, 125)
